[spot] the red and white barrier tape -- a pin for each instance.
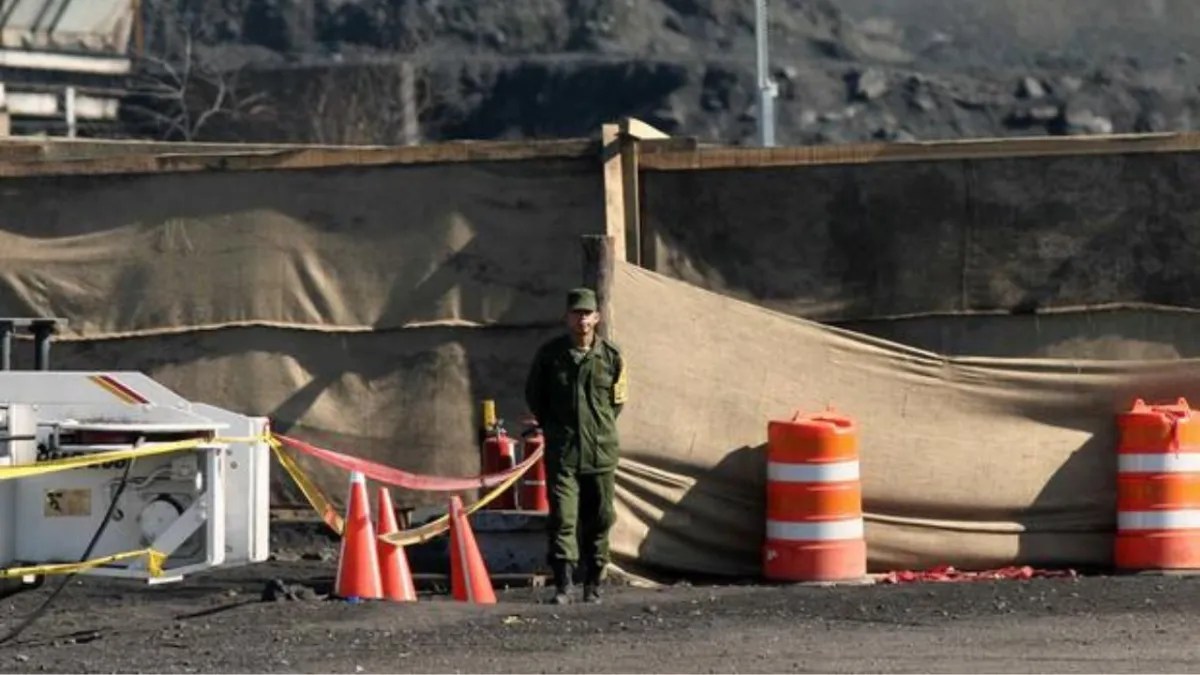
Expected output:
(397, 478)
(497, 483)
(946, 573)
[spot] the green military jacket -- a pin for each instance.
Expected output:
(577, 404)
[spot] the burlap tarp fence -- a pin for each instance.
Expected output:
(937, 230)
(367, 300)
(358, 299)
(970, 461)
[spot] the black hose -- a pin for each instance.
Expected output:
(37, 613)
(29, 437)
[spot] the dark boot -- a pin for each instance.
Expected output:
(591, 584)
(563, 582)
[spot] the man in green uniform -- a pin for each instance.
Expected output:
(576, 389)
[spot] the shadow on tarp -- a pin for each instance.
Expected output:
(1119, 334)
(717, 525)
(1069, 524)
(1072, 521)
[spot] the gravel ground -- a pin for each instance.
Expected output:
(219, 622)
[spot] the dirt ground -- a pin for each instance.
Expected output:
(219, 623)
(938, 69)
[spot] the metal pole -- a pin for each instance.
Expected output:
(766, 86)
(6, 333)
(408, 103)
(69, 105)
(41, 336)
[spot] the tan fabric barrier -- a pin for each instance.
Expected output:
(349, 248)
(408, 398)
(368, 307)
(1129, 334)
(967, 461)
(955, 236)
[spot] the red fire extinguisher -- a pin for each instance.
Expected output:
(533, 484)
(499, 454)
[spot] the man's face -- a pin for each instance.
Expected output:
(581, 321)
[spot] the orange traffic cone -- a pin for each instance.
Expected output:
(393, 561)
(469, 580)
(358, 568)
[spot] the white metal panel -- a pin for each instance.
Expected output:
(7, 503)
(95, 108)
(30, 104)
(64, 386)
(248, 476)
(49, 532)
(31, 60)
(88, 25)
(18, 421)
(220, 492)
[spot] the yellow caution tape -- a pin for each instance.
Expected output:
(154, 565)
(316, 498)
(441, 525)
(416, 535)
(94, 458)
(324, 506)
(154, 559)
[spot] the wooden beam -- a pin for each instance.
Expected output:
(731, 158)
(624, 144)
(302, 157)
(673, 144)
(598, 268)
(638, 129)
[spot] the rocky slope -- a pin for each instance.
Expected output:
(847, 69)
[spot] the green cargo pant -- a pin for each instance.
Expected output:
(581, 514)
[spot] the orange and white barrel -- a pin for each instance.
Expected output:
(814, 501)
(1158, 488)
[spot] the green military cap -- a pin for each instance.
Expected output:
(581, 299)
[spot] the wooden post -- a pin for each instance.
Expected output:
(597, 275)
(622, 187)
(631, 199)
(5, 130)
(408, 103)
(139, 30)
(615, 217)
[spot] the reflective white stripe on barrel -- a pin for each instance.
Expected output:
(832, 472)
(535, 482)
(1186, 462)
(833, 529)
(1159, 520)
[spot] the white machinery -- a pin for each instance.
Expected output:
(204, 507)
